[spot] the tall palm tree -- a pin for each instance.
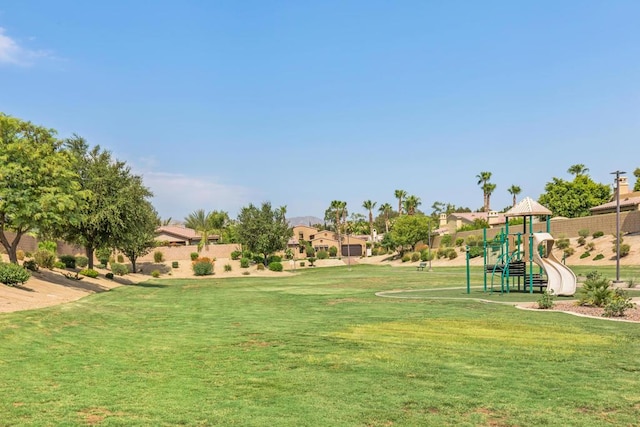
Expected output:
(514, 190)
(337, 213)
(203, 224)
(488, 189)
(578, 169)
(385, 209)
(400, 195)
(369, 205)
(411, 204)
(483, 180)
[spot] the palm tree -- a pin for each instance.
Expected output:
(400, 195)
(483, 180)
(203, 224)
(514, 190)
(578, 169)
(488, 189)
(337, 213)
(411, 204)
(369, 205)
(385, 209)
(636, 173)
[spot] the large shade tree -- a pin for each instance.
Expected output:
(139, 239)
(112, 213)
(39, 187)
(408, 230)
(573, 199)
(264, 230)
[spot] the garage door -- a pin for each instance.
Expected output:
(351, 250)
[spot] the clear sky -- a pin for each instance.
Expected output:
(219, 104)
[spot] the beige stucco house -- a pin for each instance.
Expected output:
(323, 240)
(455, 220)
(178, 235)
(629, 200)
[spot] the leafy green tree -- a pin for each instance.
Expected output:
(483, 182)
(400, 195)
(111, 214)
(408, 230)
(140, 236)
(636, 173)
(39, 187)
(573, 199)
(514, 190)
(370, 206)
(264, 230)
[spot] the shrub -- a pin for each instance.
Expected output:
(425, 255)
(581, 241)
(12, 274)
(562, 243)
(597, 234)
(69, 261)
(244, 262)
(89, 272)
(31, 264)
(158, 257)
(245, 273)
(310, 251)
(323, 254)
(569, 251)
(624, 250)
(446, 240)
(235, 255)
(452, 254)
(374, 251)
(590, 246)
(441, 253)
(227, 267)
(82, 261)
(475, 251)
(583, 232)
(585, 255)
(406, 258)
(48, 245)
(202, 267)
(260, 266)
(20, 254)
(247, 254)
(618, 304)
(274, 258)
(175, 264)
(109, 276)
(276, 266)
(72, 276)
(301, 263)
(59, 264)
(333, 251)
(155, 273)
(595, 291)
(415, 256)
(257, 258)
(101, 265)
(194, 256)
(311, 261)
(103, 255)
(459, 241)
(546, 301)
(598, 257)
(119, 269)
(120, 258)
(44, 258)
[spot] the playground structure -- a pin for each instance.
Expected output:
(524, 259)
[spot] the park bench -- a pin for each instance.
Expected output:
(421, 266)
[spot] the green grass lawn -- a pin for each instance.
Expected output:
(316, 349)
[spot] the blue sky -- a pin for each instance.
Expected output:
(219, 104)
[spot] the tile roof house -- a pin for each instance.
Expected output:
(323, 240)
(179, 235)
(456, 220)
(629, 201)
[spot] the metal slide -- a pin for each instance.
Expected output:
(560, 279)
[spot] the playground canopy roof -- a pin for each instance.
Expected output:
(527, 207)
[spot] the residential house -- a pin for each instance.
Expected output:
(178, 235)
(629, 201)
(323, 240)
(455, 220)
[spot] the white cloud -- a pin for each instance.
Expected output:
(12, 53)
(177, 195)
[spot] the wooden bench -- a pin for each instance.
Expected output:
(421, 266)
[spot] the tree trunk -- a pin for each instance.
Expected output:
(11, 247)
(89, 252)
(133, 259)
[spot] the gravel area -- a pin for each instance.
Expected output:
(631, 315)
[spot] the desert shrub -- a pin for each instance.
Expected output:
(374, 251)
(323, 254)
(244, 262)
(69, 261)
(245, 273)
(158, 257)
(595, 291)
(274, 258)
(459, 241)
(155, 273)
(475, 251)
(175, 264)
(569, 251)
(452, 254)
(415, 256)
(120, 258)
(618, 304)
(598, 257)
(82, 261)
(31, 264)
(103, 255)
(275, 266)
(425, 255)
(446, 240)
(583, 232)
(235, 255)
(562, 242)
(48, 245)
(441, 253)
(590, 246)
(333, 251)
(624, 249)
(585, 255)
(259, 266)
(119, 269)
(12, 274)
(101, 265)
(597, 234)
(474, 240)
(546, 301)
(247, 254)
(311, 260)
(194, 256)
(44, 258)
(406, 258)
(109, 276)
(581, 241)
(202, 266)
(20, 254)
(89, 272)
(59, 264)
(301, 263)
(227, 267)
(257, 258)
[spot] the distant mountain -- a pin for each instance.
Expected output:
(304, 220)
